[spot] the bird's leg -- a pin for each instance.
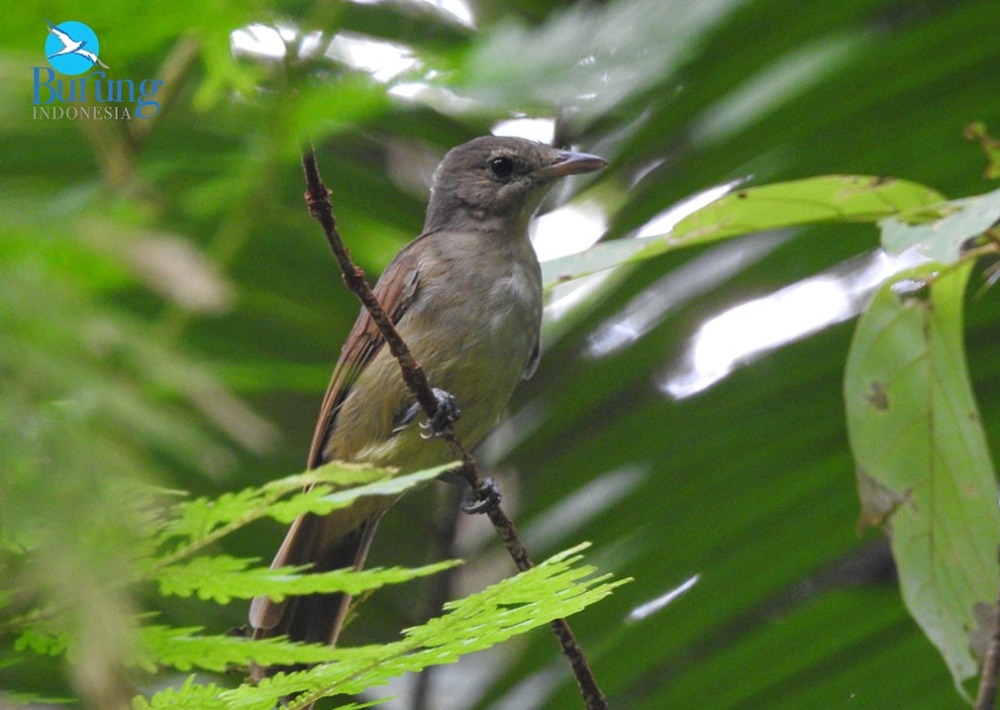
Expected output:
(446, 414)
(483, 498)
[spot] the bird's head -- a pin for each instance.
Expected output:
(496, 183)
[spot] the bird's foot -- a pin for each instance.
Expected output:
(484, 498)
(446, 414)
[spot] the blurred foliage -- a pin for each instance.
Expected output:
(170, 559)
(169, 314)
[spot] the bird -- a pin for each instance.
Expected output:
(72, 46)
(466, 297)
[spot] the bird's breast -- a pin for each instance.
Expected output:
(487, 307)
(472, 325)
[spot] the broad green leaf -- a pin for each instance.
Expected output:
(829, 198)
(923, 465)
(601, 256)
(943, 238)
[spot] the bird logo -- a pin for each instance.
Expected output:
(72, 47)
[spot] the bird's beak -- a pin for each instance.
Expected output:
(569, 163)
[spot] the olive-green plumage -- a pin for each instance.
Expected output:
(466, 297)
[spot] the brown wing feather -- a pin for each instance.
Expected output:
(395, 291)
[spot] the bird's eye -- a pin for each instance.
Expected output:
(502, 167)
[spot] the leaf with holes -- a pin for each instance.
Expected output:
(923, 464)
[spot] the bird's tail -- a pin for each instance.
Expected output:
(314, 618)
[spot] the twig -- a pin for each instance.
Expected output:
(318, 199)
(986, 698)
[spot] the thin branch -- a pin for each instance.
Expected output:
(318, 200)
(987, 696)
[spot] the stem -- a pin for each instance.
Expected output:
(987, 696)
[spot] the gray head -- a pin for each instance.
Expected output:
(496, 183)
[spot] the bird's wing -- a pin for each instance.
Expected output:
(395, 291)
(532, 365)
(63, 37)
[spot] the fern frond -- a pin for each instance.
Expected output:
(222, 578)
(192, 525)
(554, 589)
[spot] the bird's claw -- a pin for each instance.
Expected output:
(446, 414)
(484, 498)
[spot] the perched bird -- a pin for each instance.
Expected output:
(466, 297)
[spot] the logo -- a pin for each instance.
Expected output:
(65, 89)
(72, 48)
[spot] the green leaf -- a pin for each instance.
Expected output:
(386, 487)
(190, 696)
(207, 519)
(990, 146)
(829, 198)
(42, 642)
(923, 465)
(554, 589)
(943, 238)
(326, 498)
(195, 524)
(222, 578)
(187, 648)
(601, 256)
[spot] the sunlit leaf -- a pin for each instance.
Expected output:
(194, 524)
(942, 238)
(556, 588)
(831, 198)
(187, 648)
(206, 519)
(222, 578)
(603, 255)
(923, 465)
